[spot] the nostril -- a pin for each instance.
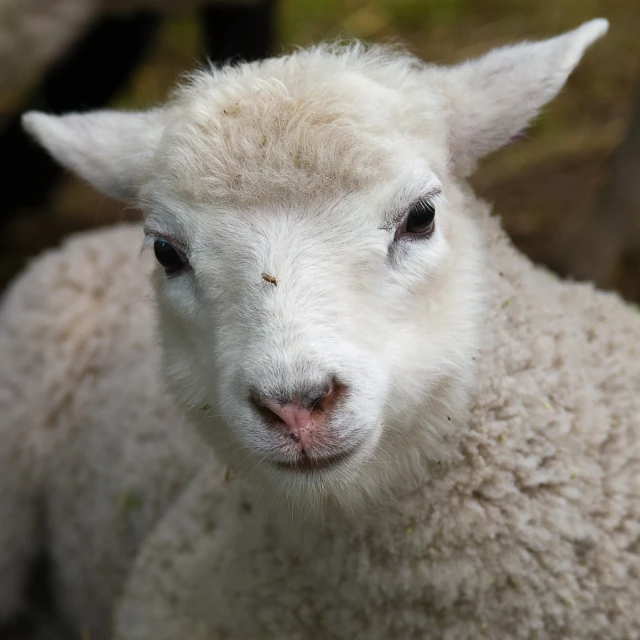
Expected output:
(264, 408)
(330, 397)
(317, 399)
(301, 408)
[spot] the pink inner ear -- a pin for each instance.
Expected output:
(519, 136)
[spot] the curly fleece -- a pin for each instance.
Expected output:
(93, 449)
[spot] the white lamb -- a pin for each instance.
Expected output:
(417, 433)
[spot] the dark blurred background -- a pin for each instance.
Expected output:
(569, 193)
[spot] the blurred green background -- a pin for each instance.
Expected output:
(543, 187)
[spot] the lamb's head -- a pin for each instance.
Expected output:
(320, 277)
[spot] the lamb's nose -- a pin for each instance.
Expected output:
(302, 418)
(294, 419)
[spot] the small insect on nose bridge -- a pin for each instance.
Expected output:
(267, 277)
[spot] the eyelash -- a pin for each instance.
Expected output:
(398, 218)
(151, 241)
(151, 237)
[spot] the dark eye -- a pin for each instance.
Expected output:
(419, 222)
(172, 259)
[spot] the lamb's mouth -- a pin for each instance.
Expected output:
(305, 464)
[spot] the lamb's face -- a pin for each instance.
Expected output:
(319, 326)
(316, 338)
(320, 287)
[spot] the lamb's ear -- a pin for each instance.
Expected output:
(493, 98)
(110, 149)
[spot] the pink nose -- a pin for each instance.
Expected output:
(301, 421)
(295, 420)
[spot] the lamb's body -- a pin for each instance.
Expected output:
(535, 532)
(536, 527)
(516, 516)
(95, 450)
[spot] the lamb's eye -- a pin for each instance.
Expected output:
(172, 259)
(420, 220)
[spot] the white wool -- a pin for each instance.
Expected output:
(490, 419)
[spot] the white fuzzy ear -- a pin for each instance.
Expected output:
(494, 98)
(110, 149)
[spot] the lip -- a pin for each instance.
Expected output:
(305, 464)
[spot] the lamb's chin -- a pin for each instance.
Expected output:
(314, 492)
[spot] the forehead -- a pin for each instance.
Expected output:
(294, 127)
